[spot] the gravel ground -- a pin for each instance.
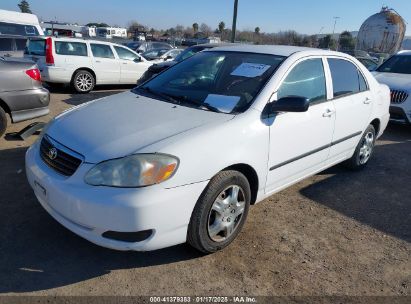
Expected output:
(336, 233)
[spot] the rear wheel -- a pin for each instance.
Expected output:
(3, 122)
(364, 150)
(220, 213)
(83, 81)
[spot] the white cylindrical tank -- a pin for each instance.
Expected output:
(382, 32)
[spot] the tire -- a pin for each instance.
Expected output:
(3, 122)
(363, 151)
(83, 81)
(219, 214)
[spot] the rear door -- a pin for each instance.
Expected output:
(132, 65)
(105, 64)
(353, 105)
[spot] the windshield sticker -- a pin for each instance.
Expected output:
(223, 103)
(250, 69)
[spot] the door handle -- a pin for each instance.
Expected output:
(125, 63)
(367, 101)
(328, 113)
(98, 61)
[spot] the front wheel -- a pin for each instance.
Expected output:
(364, 150)
(220, 213)
(83, 81)
(3, 122)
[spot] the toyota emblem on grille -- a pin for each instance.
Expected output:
(52, 154)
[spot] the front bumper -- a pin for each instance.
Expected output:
(400, 114)
(90, 211)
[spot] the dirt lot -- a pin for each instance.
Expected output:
(338, 232)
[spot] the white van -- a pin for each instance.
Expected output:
(21, 24)
(85, 63)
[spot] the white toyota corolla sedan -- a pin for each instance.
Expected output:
(183, 156)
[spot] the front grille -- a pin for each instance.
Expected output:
(62, 162)
(398, 96)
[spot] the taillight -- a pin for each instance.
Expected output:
(49, 51)
(34, 74)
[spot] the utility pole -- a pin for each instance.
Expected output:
(234, 21)
(332, 36)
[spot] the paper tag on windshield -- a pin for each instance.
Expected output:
(223, 103)
(250, 69)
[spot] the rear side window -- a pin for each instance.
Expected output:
(18, 29)
(36, 47)
(101, 50)
(306, 79)
(347, 79)
(71, 48)
(6, 44)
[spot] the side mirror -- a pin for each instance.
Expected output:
(137, 59)
(289, 104)
(169, 57)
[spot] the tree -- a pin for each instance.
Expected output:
(327, 42)
(195, 27)
(97, 24)
(24, 7)
(346, 41)
(221, 27)
(257, 30)
(206, 29)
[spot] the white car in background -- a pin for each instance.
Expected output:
(183, 156)
(396, 73)
(85, 63)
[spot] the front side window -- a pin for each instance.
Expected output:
(71, 48)
(221, 81)
(345, 76)
(400, 64)
(125, 54)
(306, 79)
(101, 50)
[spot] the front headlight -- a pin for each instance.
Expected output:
(133, 171)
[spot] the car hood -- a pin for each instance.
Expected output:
(125, 123)
(393, 80)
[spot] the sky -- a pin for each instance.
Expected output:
(303, 16)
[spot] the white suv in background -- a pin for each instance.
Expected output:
(85, 63)
(396, 73)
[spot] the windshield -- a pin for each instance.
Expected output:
(400, 64)
(224, 82)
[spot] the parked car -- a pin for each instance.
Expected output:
(22, 95)
(12, 46)
(188, 52)
(183, 156)
(160, 55)
(85, 63)
(368, 62)
(144, 46)
(396, 73)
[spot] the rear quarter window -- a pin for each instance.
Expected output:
(71, 48)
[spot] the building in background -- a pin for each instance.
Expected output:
(382, 33)
(111, 32)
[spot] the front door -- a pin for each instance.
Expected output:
(132, 65)
(300, 142)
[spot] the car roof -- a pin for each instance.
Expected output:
(404, 52)
(280, 50)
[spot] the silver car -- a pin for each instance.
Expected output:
(22, 95)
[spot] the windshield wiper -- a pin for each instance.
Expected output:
(158, 94)
(185, 99)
